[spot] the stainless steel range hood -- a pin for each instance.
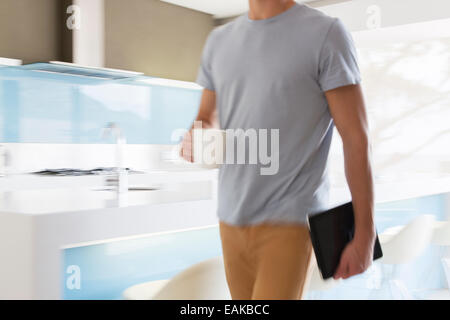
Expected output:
(72, 69)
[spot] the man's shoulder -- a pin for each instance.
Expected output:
(313, 16)
(226, 28)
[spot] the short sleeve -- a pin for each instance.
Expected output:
(204, 76)
(338, 65)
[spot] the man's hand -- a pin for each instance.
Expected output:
(356, 258)
(186, 147)
(207, 118)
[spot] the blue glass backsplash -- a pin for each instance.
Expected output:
(43, 107)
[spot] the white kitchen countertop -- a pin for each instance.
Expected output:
(34, 194)
(50, 201)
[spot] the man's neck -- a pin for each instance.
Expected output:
(264, 9)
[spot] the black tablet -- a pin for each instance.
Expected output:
(330, 232)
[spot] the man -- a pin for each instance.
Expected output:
(287, 66)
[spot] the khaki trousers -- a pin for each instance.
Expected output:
(267, 261)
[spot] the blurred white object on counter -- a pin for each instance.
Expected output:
(208, 146)
(208, 150)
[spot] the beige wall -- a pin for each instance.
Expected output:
(154, 37)
(29, 30)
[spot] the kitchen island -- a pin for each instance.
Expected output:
(37, 225)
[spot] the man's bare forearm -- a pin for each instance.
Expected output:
(348, 110)
(206, 116)
(349, 114)
(359, 178)
(207, 110)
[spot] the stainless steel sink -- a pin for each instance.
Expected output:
(143, 189)
(129, 189)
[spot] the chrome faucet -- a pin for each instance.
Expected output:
(120, 181)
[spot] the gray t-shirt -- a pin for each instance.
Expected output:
(273, 73)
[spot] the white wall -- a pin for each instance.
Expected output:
(358, 14)
(155, 37)
(406, 82)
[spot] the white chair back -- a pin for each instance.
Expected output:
(202, 281)
(441, 234)
(144, 291)
(409, 242)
